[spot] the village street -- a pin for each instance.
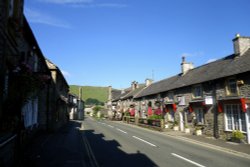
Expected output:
(118, 144)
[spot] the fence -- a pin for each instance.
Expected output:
(157, 124)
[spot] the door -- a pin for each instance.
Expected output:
(248, 123)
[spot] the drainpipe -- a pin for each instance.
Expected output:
(216, 126)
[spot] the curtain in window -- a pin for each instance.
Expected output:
(30, 113)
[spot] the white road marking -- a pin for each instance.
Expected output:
(121, 130)
(144, 141)
(111, 126)
(103, 123)
(185, 159)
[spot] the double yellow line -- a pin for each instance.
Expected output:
(91, 157)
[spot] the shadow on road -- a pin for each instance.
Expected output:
(108, 153)
(61, 148)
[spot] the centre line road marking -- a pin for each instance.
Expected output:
(111, 126)
(121, 130)
(185, 159)
(144, 141)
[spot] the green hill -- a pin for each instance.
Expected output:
(91, 93)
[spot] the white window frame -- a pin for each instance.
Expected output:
(230, 114)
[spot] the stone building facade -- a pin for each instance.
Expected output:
(214, 97)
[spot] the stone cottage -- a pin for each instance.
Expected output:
(214, 96)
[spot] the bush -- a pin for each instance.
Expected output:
(237, 135)
(96, 109)
(176, 123)
(127, 113)
(156, 117)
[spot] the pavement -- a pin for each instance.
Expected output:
(68, 147)
(64, 148)
(240, 149)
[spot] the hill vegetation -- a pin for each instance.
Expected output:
(91, 94)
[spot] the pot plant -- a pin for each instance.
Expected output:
(198, 130)
(187, 129)
(175, 126)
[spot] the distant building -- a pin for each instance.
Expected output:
(76, 107)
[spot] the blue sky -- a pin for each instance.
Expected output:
(114, 42)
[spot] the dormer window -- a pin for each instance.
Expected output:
(197, 91)
(231, 87)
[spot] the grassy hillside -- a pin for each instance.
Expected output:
(99, 93)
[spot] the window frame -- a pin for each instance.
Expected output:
(230, 116)
(229, 87)
(199, 111)
(196, 95)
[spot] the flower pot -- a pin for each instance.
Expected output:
(176, 128)
(198, 132)
(187, 130)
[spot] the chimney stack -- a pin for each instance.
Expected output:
(134, 85)
(148, 82)
(185, 67)
(241, 44)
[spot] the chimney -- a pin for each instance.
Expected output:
(148, 82)
(241, 44)
(185, 67)
(80, 93)
(134, 85)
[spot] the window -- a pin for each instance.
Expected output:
(171, 96)
(197, 91)
(232, 86)
(199, 115)
(11, 8)
(30, 113)
(234, 118)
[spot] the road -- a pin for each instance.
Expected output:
(116, 144)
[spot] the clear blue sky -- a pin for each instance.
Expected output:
(113, 42)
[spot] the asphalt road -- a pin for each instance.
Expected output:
(114, 144)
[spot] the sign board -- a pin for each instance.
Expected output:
(209, 100)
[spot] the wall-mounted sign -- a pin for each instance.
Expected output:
(209, 100)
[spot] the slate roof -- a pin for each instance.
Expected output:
(116, 93)
(120, 96)
(133, 92)
(227, 66)
(128, 92)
